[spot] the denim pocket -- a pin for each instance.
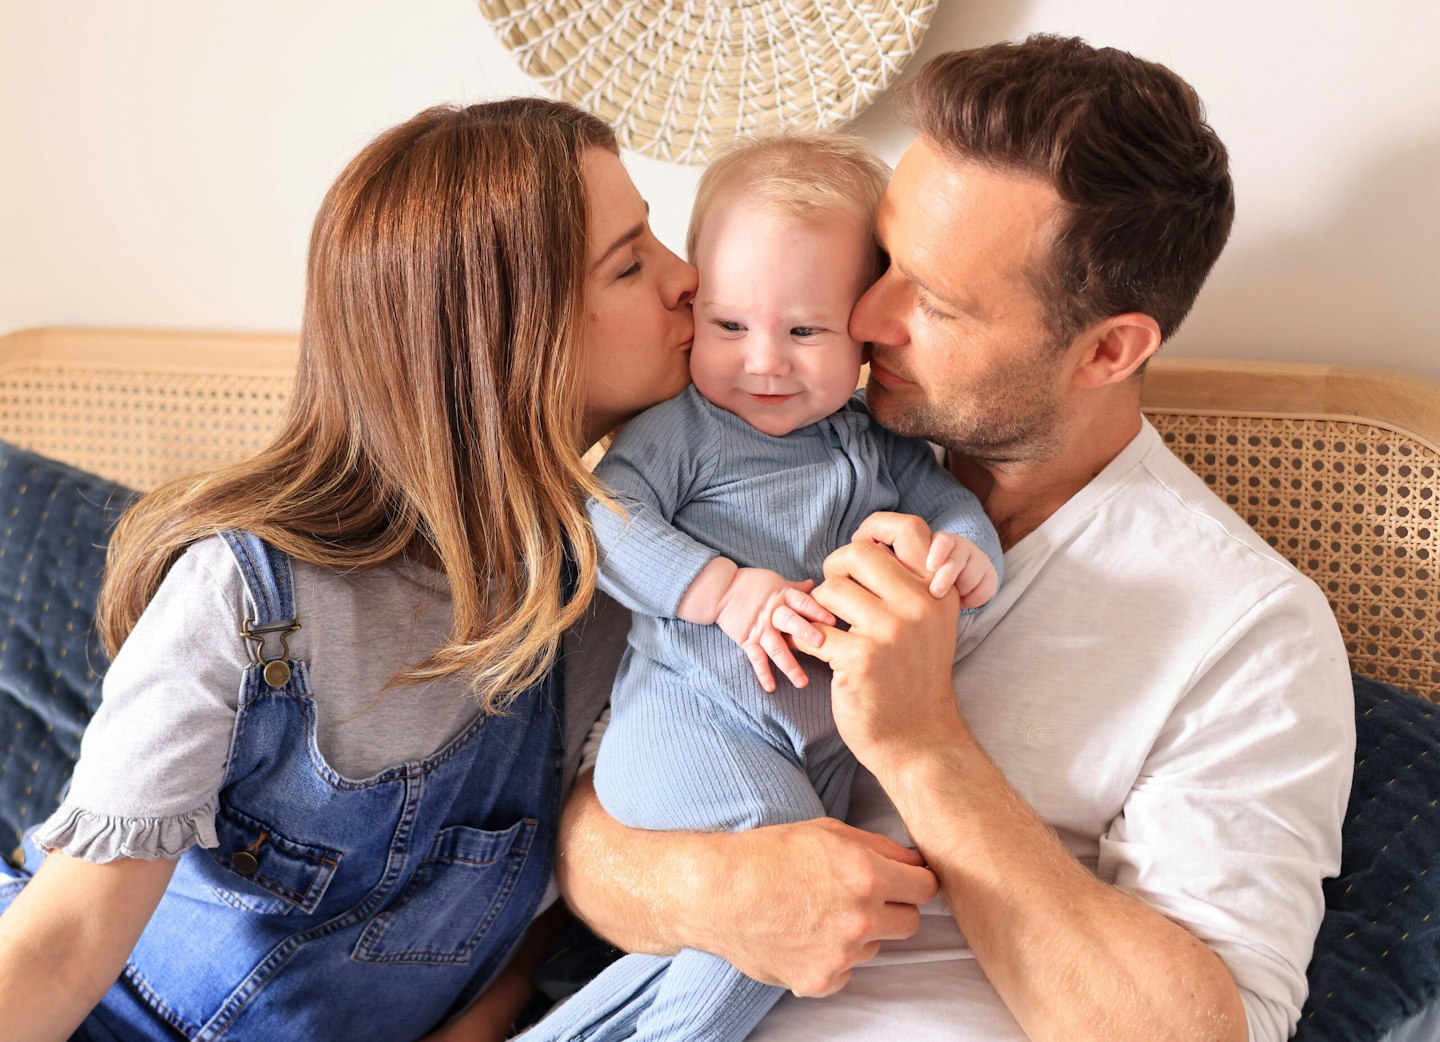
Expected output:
(267, 871)
(457, 896)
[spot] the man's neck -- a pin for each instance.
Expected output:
(1018, 496)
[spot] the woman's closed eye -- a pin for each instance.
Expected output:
(633, 270)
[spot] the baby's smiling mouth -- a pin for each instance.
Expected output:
(773, 399)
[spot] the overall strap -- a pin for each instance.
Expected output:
(271, 586)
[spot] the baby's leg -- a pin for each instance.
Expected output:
(677, 760)
(674, 758)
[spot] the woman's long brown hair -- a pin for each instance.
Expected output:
(438, 402)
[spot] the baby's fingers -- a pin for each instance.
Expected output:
(760, 663)
(944, 579)
(788, 620)
(942, 547)
(774, 643)
(805, 605)
(941, 563)
(977, 581)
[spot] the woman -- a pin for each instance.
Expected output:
(320, 796)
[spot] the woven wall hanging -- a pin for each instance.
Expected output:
(680, 80)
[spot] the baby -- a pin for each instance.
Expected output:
(733, 493)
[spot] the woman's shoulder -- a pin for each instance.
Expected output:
(212, 559)
(211, 562)
(203, 583)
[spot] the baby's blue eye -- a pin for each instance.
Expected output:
(804, 331)
(728, 326)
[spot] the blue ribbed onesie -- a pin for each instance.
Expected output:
(694, 742)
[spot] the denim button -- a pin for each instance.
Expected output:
(276, 673)
(244, 863)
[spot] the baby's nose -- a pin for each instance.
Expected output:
(763, 358)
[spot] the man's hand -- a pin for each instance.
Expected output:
(891, 686)
(951, 561)
(831, 893)
(1070, 956)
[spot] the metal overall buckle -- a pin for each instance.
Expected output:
(275, 671)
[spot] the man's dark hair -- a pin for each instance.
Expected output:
(1124, 143)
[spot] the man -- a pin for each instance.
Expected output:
(1130, 784)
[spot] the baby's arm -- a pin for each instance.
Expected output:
(964, 552)
(744, 602)
(656, 465)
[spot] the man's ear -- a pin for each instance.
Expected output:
(1115, 347)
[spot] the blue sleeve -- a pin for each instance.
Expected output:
(652, 469)
(930, 491)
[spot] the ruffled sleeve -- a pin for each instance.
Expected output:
(101, 837)
(153, 759)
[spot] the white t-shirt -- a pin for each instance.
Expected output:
(1173, 698)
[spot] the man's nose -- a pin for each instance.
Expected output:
(874, 318)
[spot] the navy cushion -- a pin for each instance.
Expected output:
(1377, 958)
(54, 524)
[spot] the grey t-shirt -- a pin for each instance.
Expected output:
(152, 760)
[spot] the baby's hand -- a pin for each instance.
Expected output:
(955, 561)
(748, 608)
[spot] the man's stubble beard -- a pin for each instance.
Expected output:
(1013, 416)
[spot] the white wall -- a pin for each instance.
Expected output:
(163, 158)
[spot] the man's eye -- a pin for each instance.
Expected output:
(928, 308)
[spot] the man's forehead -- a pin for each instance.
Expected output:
(935, 199)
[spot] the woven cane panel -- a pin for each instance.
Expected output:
(1354, 506)
(679, 80)
(139, 428)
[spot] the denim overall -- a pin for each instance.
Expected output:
(334, 908)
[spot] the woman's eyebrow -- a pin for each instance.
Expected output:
(624, 240)
(619, 244)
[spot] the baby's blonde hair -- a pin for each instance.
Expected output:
(808, 176)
